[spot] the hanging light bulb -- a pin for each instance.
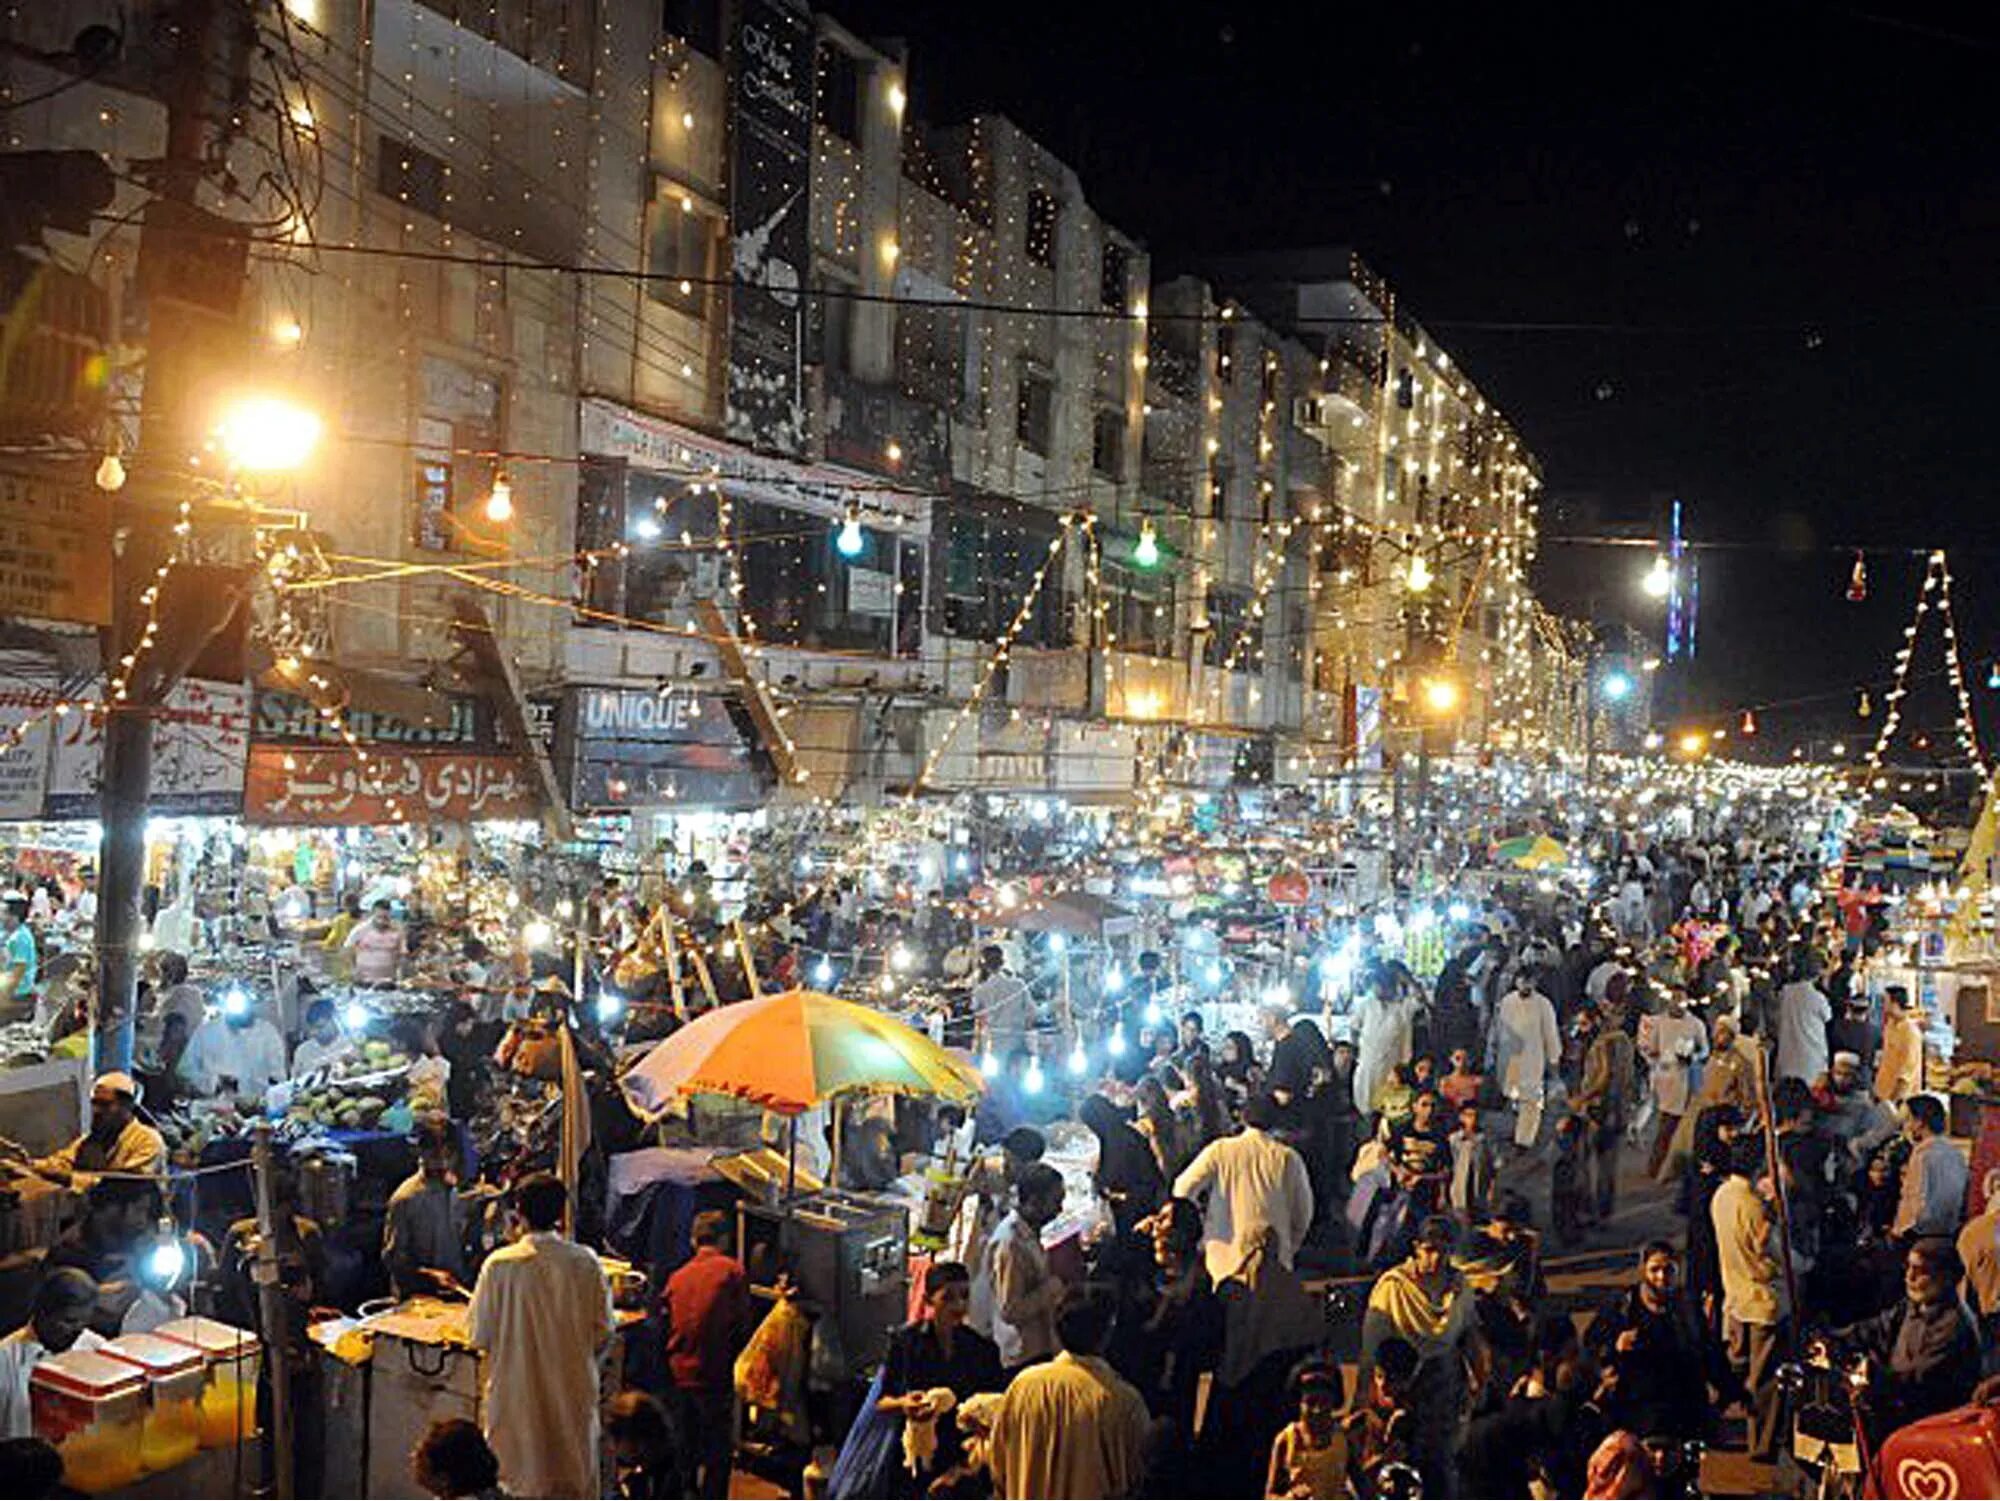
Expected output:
(1418, 579)
(1857, 581)
(1146, 552)
(1749, 725)
(850, 540)
(500, 504)
(111, 473)
(1079, 1061)
(1864, 708)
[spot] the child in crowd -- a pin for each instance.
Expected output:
(1309, 1456)
(1378, 1432)
(1461, 1086)
(1472, 1168)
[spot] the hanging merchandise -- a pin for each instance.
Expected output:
(1857, 582)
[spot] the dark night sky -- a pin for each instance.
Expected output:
(1785, 219)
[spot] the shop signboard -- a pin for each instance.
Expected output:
(27, 693)
(287, 719)
(333, 788)
(201, 736)
(770, 180)
(641, 748)
(55, 549)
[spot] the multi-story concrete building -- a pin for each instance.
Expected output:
(720, 383)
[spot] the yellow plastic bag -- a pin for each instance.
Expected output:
(771, 1371)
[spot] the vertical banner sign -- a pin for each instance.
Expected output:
(770, 177)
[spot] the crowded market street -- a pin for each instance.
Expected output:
(838, 748)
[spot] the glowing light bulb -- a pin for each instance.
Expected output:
(850, 540)
(354, 1016)
(1146, 552)
(1115, 1046)
(500, 504)
(1079, 1061)
(1114, 979)
(823, 973)
(1032, 1081)
(1418, 579)
(1659, 580)
(989, 1065)
(111, 473)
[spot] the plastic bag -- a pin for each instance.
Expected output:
(771, 1372)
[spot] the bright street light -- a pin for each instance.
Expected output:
(267, 435)
(1441, 695)
(1617, 685)
(1659, 580)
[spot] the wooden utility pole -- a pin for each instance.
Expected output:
(144, 536)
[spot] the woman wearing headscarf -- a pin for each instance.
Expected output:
(1128, 1179)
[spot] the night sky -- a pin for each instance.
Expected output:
(1772, 230)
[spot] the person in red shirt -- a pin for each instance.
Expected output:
(1461, 1086)
(708, 1318)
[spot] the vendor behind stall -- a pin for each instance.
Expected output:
(424, 1232)
(60, 1321)
(323, 1042)
(120, 1219)
(117, 1141)
(18, 957)
(377, 947)
(238, 1052)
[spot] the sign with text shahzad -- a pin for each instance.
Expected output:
(201, 736)
(333, 788)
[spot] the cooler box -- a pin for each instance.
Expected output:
(171, 1431)
(1954, 1454)
(92, 1407)
(232, 1359)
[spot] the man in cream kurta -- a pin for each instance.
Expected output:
(1071, 1426)
(541, 1313)
(1523, 1050)
(1254, 1183)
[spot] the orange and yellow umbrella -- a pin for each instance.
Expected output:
(787, 1052)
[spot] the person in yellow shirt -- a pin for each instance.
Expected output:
(334, 944)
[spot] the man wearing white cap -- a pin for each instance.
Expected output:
(117, 1142)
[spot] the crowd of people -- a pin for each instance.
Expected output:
(1316, 1261)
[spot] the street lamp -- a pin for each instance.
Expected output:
(1617, 685)
(267, 435)
(1659, 580)
(1440, 695)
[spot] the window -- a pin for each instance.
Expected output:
(930, 352)
(411, 176)
(830, 330)
(652, 578)
(696, 22)
(1034, 411)
(1142, 608)
(681, 252)
(987, 564)
(1040, 242)
(838, 102)
(1230, 623)
(458, 430)
(1107, 444)
(1112, 275)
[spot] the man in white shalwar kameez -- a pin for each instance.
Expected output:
(1523, 1049)
(1384, 1021)
(541, 1314)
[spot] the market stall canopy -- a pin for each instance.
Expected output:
(788, 1052)
(1079, 913)
(1530, 851)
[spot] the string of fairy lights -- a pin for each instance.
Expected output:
(1936, 582)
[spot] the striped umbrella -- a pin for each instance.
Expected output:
(789, 1051)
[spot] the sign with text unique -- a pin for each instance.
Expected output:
(201, 735)
(636, 748)
(332, 787)
(55, 549)
(770, 180)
